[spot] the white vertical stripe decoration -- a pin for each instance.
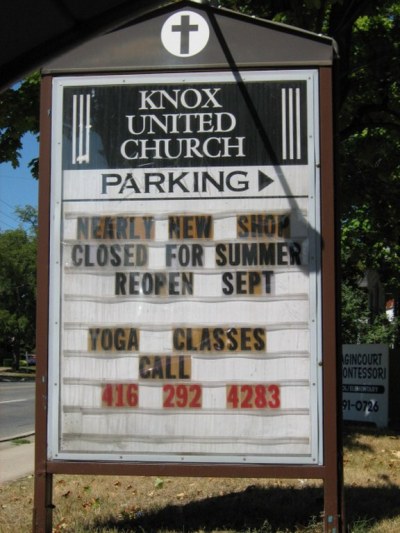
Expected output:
(74, 126)
(87, 126)
(81, 129)
(284, 132)
(291, 124)
(298, 125)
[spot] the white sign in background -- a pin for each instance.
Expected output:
(177, 334)
(365, 382)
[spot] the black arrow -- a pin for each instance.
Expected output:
(263, 180)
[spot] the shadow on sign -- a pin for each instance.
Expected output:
(313, 235)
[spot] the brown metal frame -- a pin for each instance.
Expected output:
(42, 511)
(331, 469)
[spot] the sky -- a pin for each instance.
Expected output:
(17, 186)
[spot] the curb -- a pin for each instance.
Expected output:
(8, 379)
(15, 437)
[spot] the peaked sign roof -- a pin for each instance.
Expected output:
(189, 35)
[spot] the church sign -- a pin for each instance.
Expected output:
(186, 275)
(187, 268)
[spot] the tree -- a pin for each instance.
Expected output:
(19, 114)
(359, 325)
(368, 124)
(17, 292)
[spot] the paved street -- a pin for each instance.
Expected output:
(17, 409)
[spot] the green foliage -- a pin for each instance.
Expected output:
(20, 441)
(158, 483)
(359, 325)
(17, 292)
(28, 216)
(368, 132)
(368, 121)
(19, 114)
(370, 147)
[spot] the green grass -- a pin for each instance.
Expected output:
(20, 441)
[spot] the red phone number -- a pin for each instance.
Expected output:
(190, 396)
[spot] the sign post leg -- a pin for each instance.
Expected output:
(43, 506)
(43, 491)
(333, 505)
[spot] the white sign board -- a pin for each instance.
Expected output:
(365, 382)
(185, 283)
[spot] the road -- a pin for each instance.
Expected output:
(17, 408)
